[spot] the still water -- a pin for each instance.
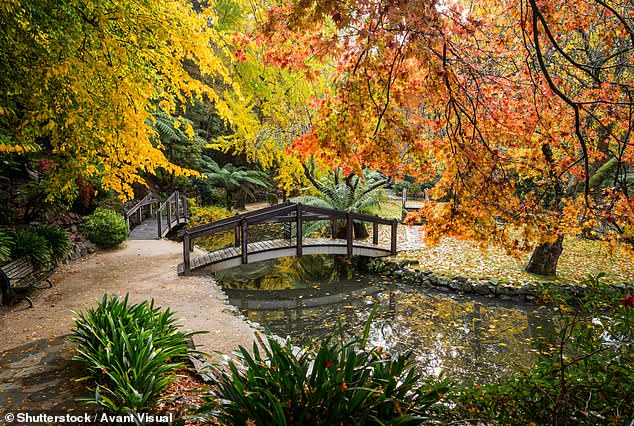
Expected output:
(463, 337)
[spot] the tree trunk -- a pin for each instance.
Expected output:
(545, 257)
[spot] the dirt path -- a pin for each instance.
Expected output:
(145, 269)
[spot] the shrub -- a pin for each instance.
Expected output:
(131, 351)
(105, 228)
(27, 244)
(338, 383)
(586, 377)
(201, 215)
(57, 240)
(6, 243)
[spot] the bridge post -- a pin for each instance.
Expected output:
(159, 221)
(245, 255)
(185, 208)
(178, 210)
(349, 229)
(394, 236)
(186, 248)
(169, 216)
(236, 235)
(298, 219)
(375, 233)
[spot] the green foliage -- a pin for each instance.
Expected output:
(337, 383)
(208, 194)
(57, 240)
(105, 228)
(357, 194)
(6, 243)
(207, 214)
(585, 376)
(31, 246)
(353, 194)
(233, 180)
(200, 215)
(130, 351)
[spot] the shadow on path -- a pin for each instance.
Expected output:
(40, 376)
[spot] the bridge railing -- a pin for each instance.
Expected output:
(171, 213)
(142, 210)
(168, 213)
(294, 214)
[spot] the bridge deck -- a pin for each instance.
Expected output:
(263, 250)
(148, 229)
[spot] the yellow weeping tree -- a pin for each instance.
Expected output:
(79, 80)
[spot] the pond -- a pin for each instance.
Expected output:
(464, 337)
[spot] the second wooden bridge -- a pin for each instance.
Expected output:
(295, 219)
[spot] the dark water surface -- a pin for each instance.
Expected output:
(464, 337)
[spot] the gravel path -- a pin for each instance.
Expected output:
(36, 372)
(145, 269)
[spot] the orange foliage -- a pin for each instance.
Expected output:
(514, 105)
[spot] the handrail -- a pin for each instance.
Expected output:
(287, 212)
(175, 208)
(149, 199)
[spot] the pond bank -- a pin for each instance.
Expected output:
(407, 272)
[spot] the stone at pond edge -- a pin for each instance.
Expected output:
(527, 292)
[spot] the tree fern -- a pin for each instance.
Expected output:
(233, 180)
(353, 194)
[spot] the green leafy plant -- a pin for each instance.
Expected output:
(105, 228)
(584, 376)
(35, 248)
(130, 351)
(208, 214)
(352, 193)
(57, 240)
(237, 181)
(6, 243)
(339, 382)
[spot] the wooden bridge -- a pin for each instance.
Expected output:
(153, 217)
(295, 219)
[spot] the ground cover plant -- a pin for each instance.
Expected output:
(42, 245)
(130, 353)
(335, 382)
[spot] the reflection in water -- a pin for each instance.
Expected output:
(476, 338)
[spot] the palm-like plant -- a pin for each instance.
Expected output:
(233, 179)
(352, 193)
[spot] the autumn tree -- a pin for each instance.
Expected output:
(523, 109)
(80, 81)
(275, 100)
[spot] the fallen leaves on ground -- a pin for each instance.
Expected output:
(580, 258)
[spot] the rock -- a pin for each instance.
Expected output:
(466, 286)
(455, 285)
(482, 289)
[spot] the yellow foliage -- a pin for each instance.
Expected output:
(100, 72)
